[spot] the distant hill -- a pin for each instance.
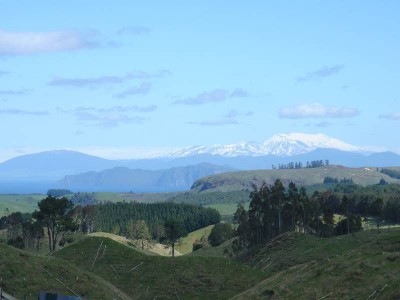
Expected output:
(125, 179)
(36, 173)
(51, 165)
(243, 180)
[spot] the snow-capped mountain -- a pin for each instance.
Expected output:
(279, 144)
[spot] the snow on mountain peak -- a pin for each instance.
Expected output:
(279, 144)
(298, 143)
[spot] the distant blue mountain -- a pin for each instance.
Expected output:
(123, 179)
(45, 168)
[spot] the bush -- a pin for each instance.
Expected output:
(18, 242)
(220, 233)
(354, 222)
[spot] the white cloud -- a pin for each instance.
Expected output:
(16, 43)
(316, 110)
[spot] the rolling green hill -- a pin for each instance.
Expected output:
(24, 275)
(243, 180)
(141, 276)
(291, 266)
(22, 203)
(306, 267)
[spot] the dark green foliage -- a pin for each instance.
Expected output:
(392, 173)
(391, 210)
(197, 245)
(317, 163)
(290, 165)
(17, 242)
(174, 230)
(58, 192)
(220, 233)
(383, 182)
(241, 217)
(209, 198)
(84, 199)
(13, 219)
(54, 215)
(112, 216)
(351, 224)
(332, 180)
(273, 210)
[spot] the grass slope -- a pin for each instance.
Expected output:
(142, 276)
(186, 244)
(24, 203)
(234, 181)
(24, 275)
(306, 267)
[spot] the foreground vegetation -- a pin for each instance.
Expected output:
(300, 266)
(141, 276)
(287, 243)
(24, 275)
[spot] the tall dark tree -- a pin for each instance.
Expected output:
(346, 207)
(376, 210)
(241, 217)
(54, 215)
(174, 230)
(278, 200)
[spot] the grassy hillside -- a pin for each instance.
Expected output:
(141, 276)
(242, 180)
(186, 244)
(23, 203)
(306, 267)
(24, 275)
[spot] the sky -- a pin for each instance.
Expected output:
(127, 79)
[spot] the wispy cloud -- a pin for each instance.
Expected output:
(17, 43)
(393, 116)
(217, 122)
(134, 30)
(80, 133)
(321, 73)
(13, 111)
(106, 80)
(131, 108)
(316, 110)
(112, 116)
(323, 124)
(20, 92)
(229, 118)
(234, 114)
(2, 73)
(107, 120)
(217, 95)
(142, 89)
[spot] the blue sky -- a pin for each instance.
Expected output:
(125, 78)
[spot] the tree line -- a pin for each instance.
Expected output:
(139, 221)
(299, 165)
(276, 209)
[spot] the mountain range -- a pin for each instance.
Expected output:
(70, 168)
(279, 145)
